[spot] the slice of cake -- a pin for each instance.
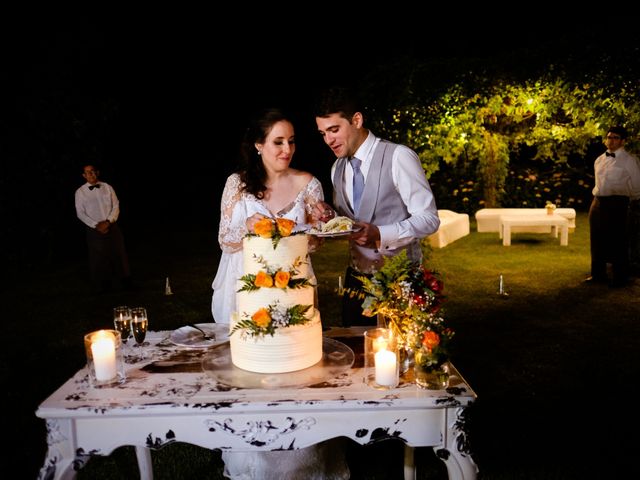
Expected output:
(277, 328)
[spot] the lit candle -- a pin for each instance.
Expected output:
(386, 368)
(103, 350)
(340, 284)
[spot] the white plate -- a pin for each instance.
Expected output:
(333, 234)
(189, 337)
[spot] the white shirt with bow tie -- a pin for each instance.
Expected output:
(97, 205)
(617, 175)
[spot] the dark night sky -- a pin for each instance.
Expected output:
(183, 90)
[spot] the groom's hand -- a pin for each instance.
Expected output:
(368, 237)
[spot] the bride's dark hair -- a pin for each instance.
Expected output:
(252, 172)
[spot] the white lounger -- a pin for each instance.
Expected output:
(452, 227)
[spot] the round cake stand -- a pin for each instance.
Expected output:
(336, 359)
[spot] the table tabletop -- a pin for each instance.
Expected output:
(171, 398)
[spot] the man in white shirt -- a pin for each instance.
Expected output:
(97, 206)
(617, 175)
(379, 184)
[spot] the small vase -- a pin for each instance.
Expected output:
(432, 377)
(406, 358)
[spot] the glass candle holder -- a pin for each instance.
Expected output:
(381, 358)
(105, 358)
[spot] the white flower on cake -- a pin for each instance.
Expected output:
(267, 320)
(274, 276)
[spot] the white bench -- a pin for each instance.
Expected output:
(453, 226)
(488, 219)
(553, 222)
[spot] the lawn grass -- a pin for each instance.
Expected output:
(553, 363)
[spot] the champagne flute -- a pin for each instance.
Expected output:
(122, 323)
(139, 323)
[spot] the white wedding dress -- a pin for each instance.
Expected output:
(326, 460)
(237, 206)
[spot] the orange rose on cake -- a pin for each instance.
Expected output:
(264, 228)
(282, 279)
(263, 279)
(261, 318)
(285, 226)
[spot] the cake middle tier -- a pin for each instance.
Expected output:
(251, 301)
(289, 253)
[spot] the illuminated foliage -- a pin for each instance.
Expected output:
(488, 123)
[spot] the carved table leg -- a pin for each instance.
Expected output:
(456, 455)
(409, 463)
(143, 454)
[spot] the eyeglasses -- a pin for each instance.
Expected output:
(613, 137)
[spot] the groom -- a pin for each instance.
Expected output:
(379, 184)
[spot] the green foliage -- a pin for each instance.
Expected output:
(486, 124)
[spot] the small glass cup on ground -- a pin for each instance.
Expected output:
(105, 358)
(381, 359)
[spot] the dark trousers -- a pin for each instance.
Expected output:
(608, 235)
(107, 255)
(634, 237)
(352, 302)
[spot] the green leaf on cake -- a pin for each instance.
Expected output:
(267, 320)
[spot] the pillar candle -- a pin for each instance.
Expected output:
(104, 358)
(386, 368)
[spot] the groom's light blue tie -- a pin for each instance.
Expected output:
(358, 182)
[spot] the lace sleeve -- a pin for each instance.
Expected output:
(312, 195)
(232, 216)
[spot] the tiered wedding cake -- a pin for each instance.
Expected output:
(276, 329)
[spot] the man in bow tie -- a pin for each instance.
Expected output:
(379, 184)
(617, 181)
(97, 206)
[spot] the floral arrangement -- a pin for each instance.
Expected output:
(550, 207)
(274, 228)
(409, 297)
(266, 320)
(273, 277)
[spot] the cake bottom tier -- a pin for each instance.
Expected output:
(289, 349)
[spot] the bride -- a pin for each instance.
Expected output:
(266, 186)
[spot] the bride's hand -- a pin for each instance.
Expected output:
(252, 220)
(322, 212)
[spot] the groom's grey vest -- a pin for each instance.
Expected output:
(381, 204)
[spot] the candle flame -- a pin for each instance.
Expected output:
(380, 344)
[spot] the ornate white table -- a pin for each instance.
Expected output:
(169, 398)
